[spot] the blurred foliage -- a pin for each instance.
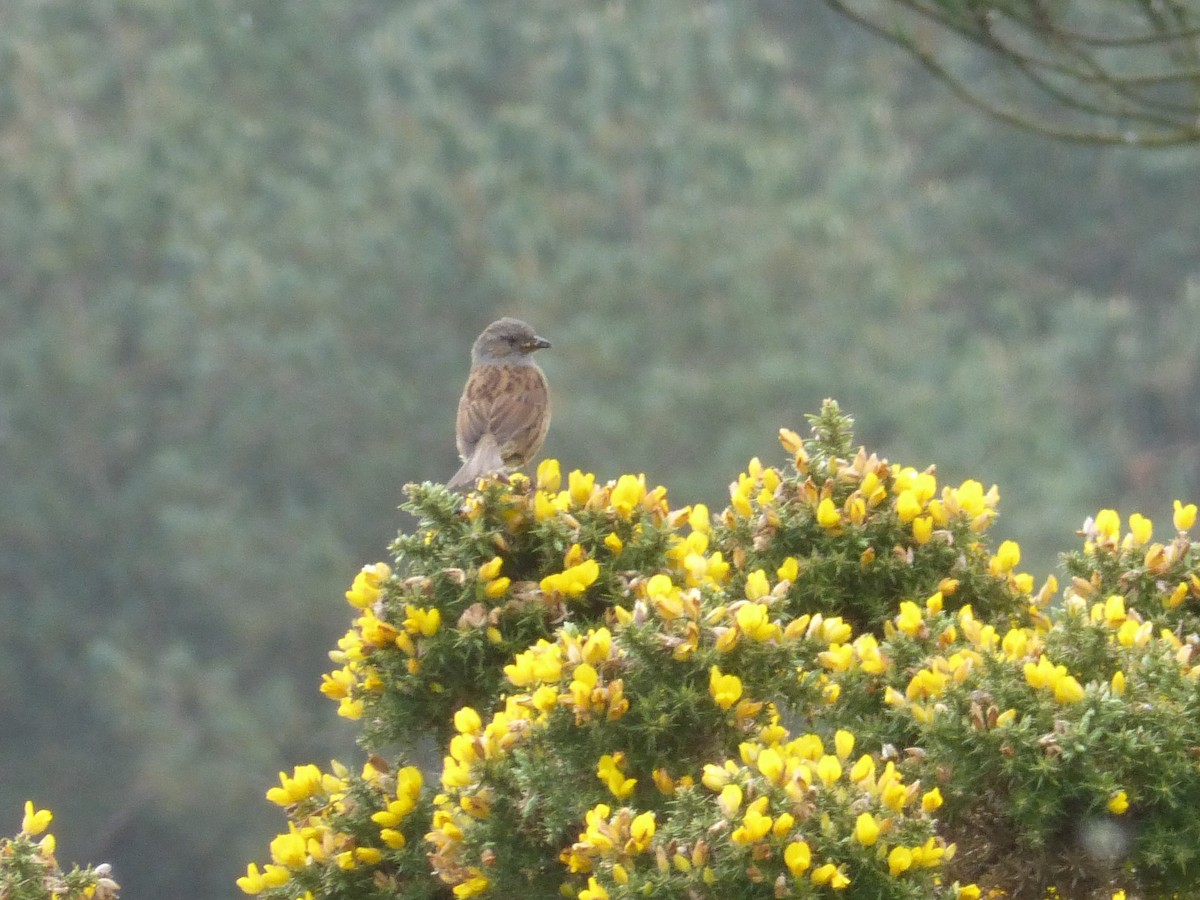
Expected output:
(244, 249)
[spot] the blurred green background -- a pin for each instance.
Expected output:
(244, 250)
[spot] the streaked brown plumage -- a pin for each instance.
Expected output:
(504, 411)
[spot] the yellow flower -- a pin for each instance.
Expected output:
(1185, 516)
(823, 874)
(1040, 674)
(931, 800)
(829, 770)
(1118, 803)
(1177, 596)
(368, 856)
(549, 476)
(574, 581)
(594, 891)
(789, 569)
(843, 742)
(1114, 611)
(289, 850)
(797, 856)
(739, 502)
(1015, 643)
(838, 658)
(1140, 529)
(908, 507)
(304, 782)
(1108, 524)
(757, 585)
(900, 860)
(856, 510)
(1067, 690)
(755, 823)
(871, 660)
(770, 763)
(545, 698)
(1118, 683)
(467, 721)
(614, 543)
(352, 709)
(783, 824)
(455, 774)
(922, 529)
(597, 646)
(828, 516)
(730, 800)
(716, 777)
(969, 892)
(909, 620)
(726, 690)
(422, 621)
(497, 587)
(252, 881)
(866, 829)
(1006, 559)
(926, 684)
(629, 491)
(474, 886)
(368, 585)
(863, 770)
(581, 487)
(641, 831)
(610, 771)
(754, 621)
(491, 569)
(35, 821)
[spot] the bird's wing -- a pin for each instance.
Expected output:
(474, 409)
(520, 414)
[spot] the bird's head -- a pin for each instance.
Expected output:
(506, 340)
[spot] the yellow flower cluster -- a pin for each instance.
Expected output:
(316, 802)
(577, 576)
(368, 585)
(754, 487)
(28, 867)
(357, 677)
(692, 565)
(1174, 566)
(612, 838)
(581, 663)
(798, 790)
(627, 497)
(464, 797)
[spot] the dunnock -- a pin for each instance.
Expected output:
(504, 411)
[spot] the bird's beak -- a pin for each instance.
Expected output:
(538, 343)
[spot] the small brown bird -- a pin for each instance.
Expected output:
(504, 411)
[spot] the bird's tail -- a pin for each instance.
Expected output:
(485, 460)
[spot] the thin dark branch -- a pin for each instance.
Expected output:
(1102, 41)
(1171, 134)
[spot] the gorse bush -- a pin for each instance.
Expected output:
(29, 869)
(836, 686)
